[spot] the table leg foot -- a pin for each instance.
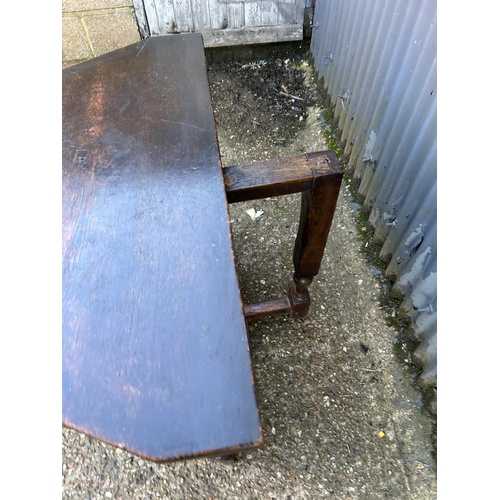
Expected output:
(299, 298)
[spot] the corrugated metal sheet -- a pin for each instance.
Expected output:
(224, 22)
(377, 59)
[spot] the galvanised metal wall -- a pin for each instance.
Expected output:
(378, 62)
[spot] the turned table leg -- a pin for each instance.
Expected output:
(317, 209)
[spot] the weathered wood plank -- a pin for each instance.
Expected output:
(253, 13)
(200, 10)
(235, 15)
(288, 11)
(269, 16)
(142, 21)
(154, 361)
(300, 6)
(246, 22)
(252, 35)
(163, 13)
(218, 14)
(183, 16)
(300, 12)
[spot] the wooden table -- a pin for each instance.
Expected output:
(155, 349)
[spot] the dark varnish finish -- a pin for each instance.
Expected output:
(155, 350)
(268, 308)
(280, 176)
(318, 176)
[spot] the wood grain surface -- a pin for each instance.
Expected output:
(280, 176)
(155, 348)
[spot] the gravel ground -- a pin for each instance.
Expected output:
(342, 416)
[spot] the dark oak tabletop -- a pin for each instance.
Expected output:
(155, 349)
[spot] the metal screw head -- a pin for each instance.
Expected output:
(329, 57)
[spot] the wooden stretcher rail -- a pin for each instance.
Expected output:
(278, 306)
